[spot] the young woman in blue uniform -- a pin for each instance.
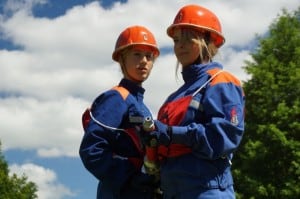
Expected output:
(111, 149)
(202, 123)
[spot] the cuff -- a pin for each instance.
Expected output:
(179, 134)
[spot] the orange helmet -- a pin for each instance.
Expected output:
(199, 18)
(135, 35)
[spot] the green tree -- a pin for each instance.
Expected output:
(14, 187)
(267, 165)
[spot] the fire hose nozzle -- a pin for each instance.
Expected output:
(148, 124)
(151, 163)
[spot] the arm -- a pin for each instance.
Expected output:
(96, 149)
(221, 134)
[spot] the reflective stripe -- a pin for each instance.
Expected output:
(103, 125)
(136, 119)
(194, 104)
(211, 78)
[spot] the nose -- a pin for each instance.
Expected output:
(179, 44)
(144, 57)
(143, 61)
(147, 57)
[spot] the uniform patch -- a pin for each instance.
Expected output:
(233, 116)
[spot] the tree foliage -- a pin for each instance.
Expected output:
(14, 187)
(267, 164)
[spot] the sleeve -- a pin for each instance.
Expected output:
(222, 133)
(96, 149)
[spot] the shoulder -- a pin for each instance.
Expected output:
(113, 97)
(122, 91)
(223, 77)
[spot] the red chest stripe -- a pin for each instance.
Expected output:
(172, 114)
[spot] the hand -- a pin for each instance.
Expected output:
(144, 182)
(162, 132)
(144, 136)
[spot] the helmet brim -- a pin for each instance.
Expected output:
(218, 38)
(116, 53)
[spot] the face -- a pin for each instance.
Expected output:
(138, 63)
(185, 49)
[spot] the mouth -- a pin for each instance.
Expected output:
(142, 69)
(182, 53)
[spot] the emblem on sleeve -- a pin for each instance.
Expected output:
(233, 116)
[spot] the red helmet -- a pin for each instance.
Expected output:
(199, 18)
(135, 35)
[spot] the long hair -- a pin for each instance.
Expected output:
(207, 48)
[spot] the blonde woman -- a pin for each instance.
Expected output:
(201, 124)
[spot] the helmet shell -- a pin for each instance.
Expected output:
(200, 19)
(135, 35)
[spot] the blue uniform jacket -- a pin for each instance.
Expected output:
(104, 151)
(213, 130)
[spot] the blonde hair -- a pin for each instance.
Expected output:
(122, 57)
(207, 48)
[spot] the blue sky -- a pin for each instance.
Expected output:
(50, 9)
(55, 58)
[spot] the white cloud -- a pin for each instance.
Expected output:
(66, 62)
(45, 179)
(234, 61)
(51, 127)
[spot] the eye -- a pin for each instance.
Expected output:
(141, 55)
(137, 53)
(149, 55)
